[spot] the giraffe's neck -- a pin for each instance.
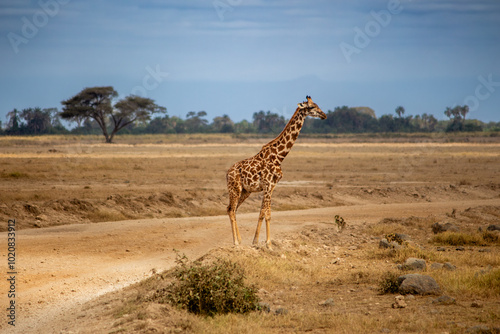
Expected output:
(285, 140)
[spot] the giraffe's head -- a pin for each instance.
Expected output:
(311, 109)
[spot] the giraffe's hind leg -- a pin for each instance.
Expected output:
(243, 196)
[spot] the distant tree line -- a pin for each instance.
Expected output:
(93, 111)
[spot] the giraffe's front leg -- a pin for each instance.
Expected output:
(265, 213)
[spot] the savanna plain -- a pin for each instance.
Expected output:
(99, 227)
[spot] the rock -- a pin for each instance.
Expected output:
(402, 236)
(444, 300)
(439, 228)
(460, 249)
(437, 266)
(384, 243)
(477, 304)
(441, 249)
(493, 228)
(418, 284)
(399, 302)
(327, 303)
(449, 266)
(414, 264)
(395, 245)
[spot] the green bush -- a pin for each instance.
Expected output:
(216, 288)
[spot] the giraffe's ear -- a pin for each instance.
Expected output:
(301, 105)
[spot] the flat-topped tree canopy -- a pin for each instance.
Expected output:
(96, 103)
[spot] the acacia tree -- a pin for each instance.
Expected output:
(96, 103)
(195, 122)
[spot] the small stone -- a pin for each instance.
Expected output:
(449, 266)
(461, 249)
(327, 303)
(414, 264)
(493, 228)
(395, 245)
(439, 228)
(444, 300)
(437, 266)
(384, 243)
(441, 249)
(477, 304)
(399, 302)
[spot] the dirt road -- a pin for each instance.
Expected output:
(60, 268)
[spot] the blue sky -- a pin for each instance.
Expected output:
(237, 57)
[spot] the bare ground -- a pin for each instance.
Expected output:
(69, 262)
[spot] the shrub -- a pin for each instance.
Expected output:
(216, 288)
(389, 283)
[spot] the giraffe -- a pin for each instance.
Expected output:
(262, 172)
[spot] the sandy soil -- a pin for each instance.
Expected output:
(62, 267)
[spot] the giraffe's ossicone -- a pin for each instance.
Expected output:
(263, 171)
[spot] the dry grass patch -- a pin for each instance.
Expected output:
(466, 239)
(471, 283)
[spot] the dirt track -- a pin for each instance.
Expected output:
(63, 267)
